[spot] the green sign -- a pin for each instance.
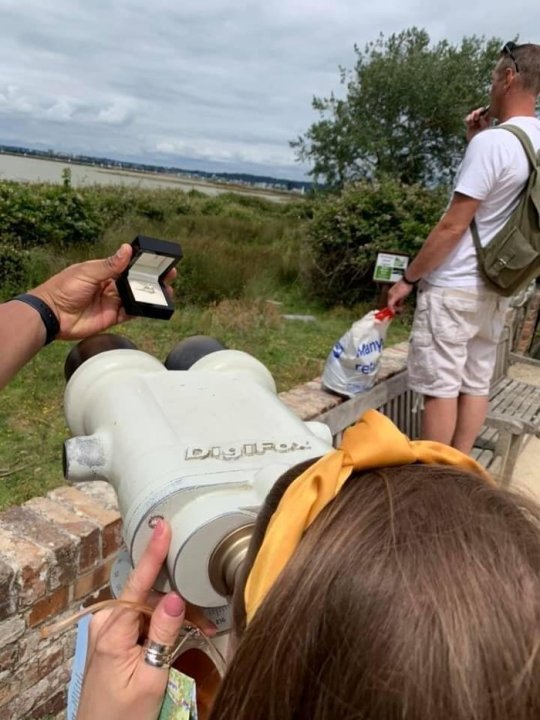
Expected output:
(389, 267)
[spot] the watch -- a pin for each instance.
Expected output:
(412, 283)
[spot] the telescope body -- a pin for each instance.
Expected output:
(200, 447)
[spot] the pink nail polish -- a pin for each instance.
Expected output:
(159, 528)
(174, 605)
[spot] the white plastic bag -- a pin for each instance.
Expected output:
(353, 364)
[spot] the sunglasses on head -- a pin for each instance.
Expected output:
(509, 49)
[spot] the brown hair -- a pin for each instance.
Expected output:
(415, 595)
(527, 57)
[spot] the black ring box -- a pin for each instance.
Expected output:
(141, 286)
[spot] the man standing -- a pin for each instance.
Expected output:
(458, 319)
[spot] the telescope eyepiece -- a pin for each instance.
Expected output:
(94, 345)
(227, 559)
(186, 353)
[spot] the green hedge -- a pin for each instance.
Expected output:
(15, 269)
(34, 215)
(347, 231)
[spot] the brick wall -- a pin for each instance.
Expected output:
(55, 555)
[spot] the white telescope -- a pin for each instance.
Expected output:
(200, 447)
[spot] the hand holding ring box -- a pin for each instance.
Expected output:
(141, 286)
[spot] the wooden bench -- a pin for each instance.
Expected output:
(513, 414)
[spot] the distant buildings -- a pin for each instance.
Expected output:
(264, 182)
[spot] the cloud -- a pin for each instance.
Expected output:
(61, 111)
(117, 113)
(216, 81)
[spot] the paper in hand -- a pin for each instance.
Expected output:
(180, 701)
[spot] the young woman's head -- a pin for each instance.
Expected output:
(414, 595)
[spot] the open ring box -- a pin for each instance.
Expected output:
(141, 286)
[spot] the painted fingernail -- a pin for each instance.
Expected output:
(159, 527)
(174, 605)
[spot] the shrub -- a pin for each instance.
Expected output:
(348, 230)
(15, 266)
(33, 215)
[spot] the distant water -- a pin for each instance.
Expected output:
(31, 169)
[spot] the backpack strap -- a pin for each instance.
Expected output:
(476, 237)
(534, 160)
(525, 140)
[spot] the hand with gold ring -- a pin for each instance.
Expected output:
(123, 678)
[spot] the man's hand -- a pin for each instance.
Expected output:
(476, 121)
(84, 297)
(397, 295)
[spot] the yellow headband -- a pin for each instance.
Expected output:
(374, 442)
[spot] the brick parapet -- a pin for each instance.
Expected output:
(55, 555)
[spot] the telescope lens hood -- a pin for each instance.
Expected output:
(186, 353)
(94, 345)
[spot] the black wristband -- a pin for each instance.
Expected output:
(52, 325)
(412, 283)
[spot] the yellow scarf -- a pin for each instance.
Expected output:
(374, 442)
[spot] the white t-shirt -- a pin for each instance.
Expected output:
(494, 170)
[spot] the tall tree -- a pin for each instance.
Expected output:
(403, 111)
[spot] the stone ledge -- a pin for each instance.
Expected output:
(310, 400)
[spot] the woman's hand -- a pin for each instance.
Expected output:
(119, 684)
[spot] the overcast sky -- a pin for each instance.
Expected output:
(210, 84)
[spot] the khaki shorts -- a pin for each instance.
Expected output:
(454, 340)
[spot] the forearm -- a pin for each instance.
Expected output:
(77, 302)
(22, 335)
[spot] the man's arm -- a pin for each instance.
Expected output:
(441, 241)
(22, 334)
(82, 297)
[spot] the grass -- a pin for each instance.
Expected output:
(31, 417)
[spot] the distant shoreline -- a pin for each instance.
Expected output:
(166, 177)
(238, 179)
(31, 167)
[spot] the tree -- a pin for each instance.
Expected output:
(403, 111)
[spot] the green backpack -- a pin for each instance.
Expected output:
(511, 259)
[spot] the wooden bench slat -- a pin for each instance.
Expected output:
(513, 401)
(518, 401)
